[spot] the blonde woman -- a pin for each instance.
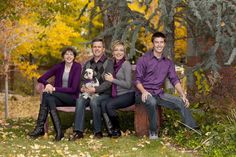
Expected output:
(122, 91)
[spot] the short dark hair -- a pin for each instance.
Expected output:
(157, 35)
(98, 40)
(68, 48)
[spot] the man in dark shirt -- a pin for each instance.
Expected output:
(151, 71)
(101, 65)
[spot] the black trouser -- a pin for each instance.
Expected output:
(121, 101)
(110, 106)
(57, 99)
(49, 103)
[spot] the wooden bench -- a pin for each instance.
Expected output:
(141, 122)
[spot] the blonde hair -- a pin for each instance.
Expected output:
(116, 43)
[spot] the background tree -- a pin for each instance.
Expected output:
(208, 28)
(32, 30)
(13, 35)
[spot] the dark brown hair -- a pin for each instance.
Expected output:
(157, 35)
(98, 40)
(68, 48)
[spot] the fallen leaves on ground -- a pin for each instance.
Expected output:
(15, 142)
(20, 106)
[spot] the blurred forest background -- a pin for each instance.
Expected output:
(200, 39)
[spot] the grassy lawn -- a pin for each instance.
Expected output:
(217, 138)
(15, 142)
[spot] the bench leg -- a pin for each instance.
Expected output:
(141, 121)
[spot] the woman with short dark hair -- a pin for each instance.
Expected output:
(63, 92)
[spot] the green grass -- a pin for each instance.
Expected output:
(15, 142)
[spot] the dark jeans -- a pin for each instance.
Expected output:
(57, 99)
(95, 105)
(121, 101)
(169, 101)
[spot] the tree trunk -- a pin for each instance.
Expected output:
(112, 17)
(6, 96)
(170, 31)
(6, 67)
(31, 59)
(170, 42)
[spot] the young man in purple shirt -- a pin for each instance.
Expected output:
(151, 71)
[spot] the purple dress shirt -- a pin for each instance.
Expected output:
(152, 72)
(73, 80)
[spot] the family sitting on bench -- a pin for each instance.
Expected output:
(108, 86)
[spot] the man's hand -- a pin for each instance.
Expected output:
(82, 89)
(185, 100)
(181, 93)
(90, 90)
(145, 95)
(49, 88)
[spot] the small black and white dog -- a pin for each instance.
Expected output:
(90, 81)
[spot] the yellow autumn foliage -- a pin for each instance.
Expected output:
(30, 70)
(180, 46)
(137, 7)
(17, 37)
(144, 36)
(56, 36)
(180, 34)
(202, 82)
(29, 22)
(51, 1)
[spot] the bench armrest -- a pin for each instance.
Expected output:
(39, 88)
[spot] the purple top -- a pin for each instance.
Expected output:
(152, 72)
(73, 80)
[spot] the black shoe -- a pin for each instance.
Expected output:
(116, 133)
(196, 127)
(108, 124)
(39, 129)
(98, 135)
(59, 137)
(57, 124)
(77, 136)
(37, 133)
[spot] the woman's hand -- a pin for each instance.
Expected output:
(82, 89)
(108, 77)
(90, 90)
(49, 88)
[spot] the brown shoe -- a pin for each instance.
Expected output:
(77, 136)
(98, 135)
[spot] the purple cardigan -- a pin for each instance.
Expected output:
(73, 82)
